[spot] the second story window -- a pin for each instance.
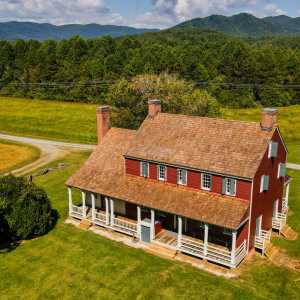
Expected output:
(162, 173)
(229, 187)
(273, 147)
(264, 183)
(206, 182)
(181, 177)
(144, 169)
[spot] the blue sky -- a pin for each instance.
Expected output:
(137, 13)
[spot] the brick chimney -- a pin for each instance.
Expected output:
(154, 107)
(102, 121)
(268, 118)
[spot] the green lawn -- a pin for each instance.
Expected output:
(77, 122)
(69, 263)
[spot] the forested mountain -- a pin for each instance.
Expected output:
(292, 25)
(27, 30)
(35, 69)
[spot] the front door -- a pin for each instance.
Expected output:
(275, 209)
(258, 227)
(145, 234)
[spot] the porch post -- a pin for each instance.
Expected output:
(111, 212)
(233, 247)
(287, 194)
(70, 199)
(93, 206)
(138, 219)
(83, 203)
(179, 231)
(107, 211)
(152, 229)
(205, 239)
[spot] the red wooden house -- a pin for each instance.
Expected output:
(207, 187)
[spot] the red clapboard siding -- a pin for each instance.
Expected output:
(194, 180)
(153, 171)
(243, 189)
(171, 175)
(217, 184)
(133, 167)
(262, 202)
(242, 234)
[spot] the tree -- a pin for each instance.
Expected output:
(25, 208)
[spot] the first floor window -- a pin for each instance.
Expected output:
(162, 173)
(206, 182)
(181, 177)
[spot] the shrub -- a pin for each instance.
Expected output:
(25, 209)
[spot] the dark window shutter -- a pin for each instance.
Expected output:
(165, 173)
(266, 183)
(232, 187)
(274, 147)
(282, 170)
(183, 176)
(146, 167)
(224, 187)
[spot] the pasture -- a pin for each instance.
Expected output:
(14, 155)
(68, 263)
(77, 122)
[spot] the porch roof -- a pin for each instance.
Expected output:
(103, 173)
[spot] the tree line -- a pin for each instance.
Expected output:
(192, 55)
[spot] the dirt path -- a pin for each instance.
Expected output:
(50, 151)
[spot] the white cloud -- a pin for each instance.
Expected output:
(273, 10)
(59, 11)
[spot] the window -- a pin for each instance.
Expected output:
(206, 182)
(226, 230)
(144, 208)
(229, 187)
(273, 147)
(202, 224)
(161, 213)
(144, 169)
(162, 173)
(281, 170)
(181, 177)
(264, 183)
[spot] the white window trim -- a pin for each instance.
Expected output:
(278, 171)
(228, 193)
(147, 164)
(202, 177)
(180, 183)
(262, 183)
(165, 173)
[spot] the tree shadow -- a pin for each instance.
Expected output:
(8, 247)
(55, 216)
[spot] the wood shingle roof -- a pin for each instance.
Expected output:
(103, 173)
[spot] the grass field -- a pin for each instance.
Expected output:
(14, 155)
(68, 263)
(77, 121)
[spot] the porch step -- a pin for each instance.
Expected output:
(289, 232)
(85, 224)
(272, 253)
(162, 250)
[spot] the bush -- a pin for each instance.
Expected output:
(25, 209)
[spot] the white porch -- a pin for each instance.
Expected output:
(285, 200)
(202, 248)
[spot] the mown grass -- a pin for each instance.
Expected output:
(15, 155)
(288, 120)
(68, 263)
(77, 122)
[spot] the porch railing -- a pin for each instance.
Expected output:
(192, 246)
(219, 253)
(263, 240)
(284, 203)
(100, 217)
(77, 210)
(279, 222)
(239, 251)
(125, 225)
